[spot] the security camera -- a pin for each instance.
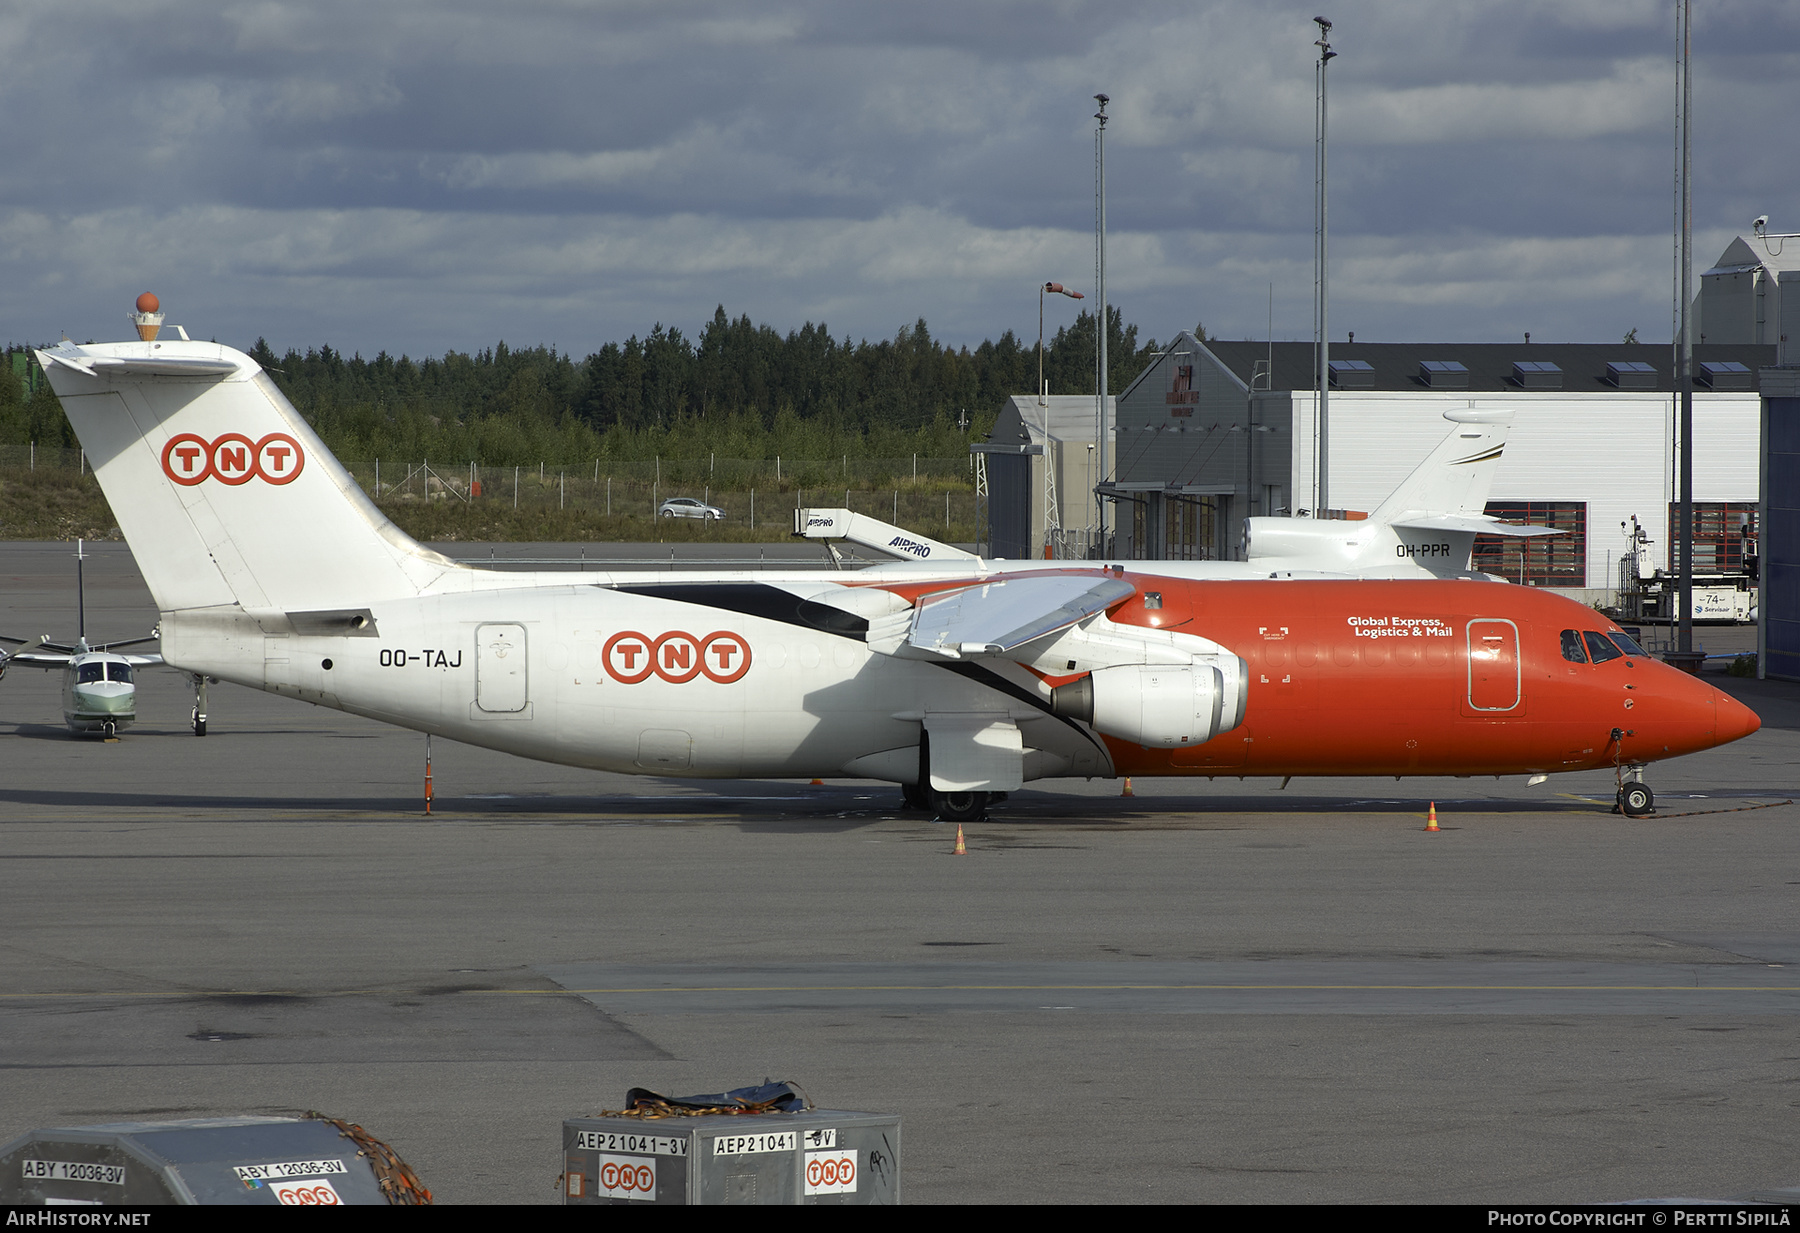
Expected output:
(1761, 224)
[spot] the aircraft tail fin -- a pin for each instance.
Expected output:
(1457, 476)
(223, 490)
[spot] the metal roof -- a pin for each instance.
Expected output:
(1397, 365)
(1741, 256)
(1063, 417)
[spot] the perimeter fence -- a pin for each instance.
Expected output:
(935, 496)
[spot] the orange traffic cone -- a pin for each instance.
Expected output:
(1127, 789)
(959, 850)
(1431, 818)
(818, 783)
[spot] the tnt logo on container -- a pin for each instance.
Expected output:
(315, 1192)
(627, 1177)
(831, 1172)
(676, 657)
(232, 458)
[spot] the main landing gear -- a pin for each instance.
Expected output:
(199, 704)
(949, 806)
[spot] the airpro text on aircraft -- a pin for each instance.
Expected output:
(909, 545)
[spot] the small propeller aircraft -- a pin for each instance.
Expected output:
(99, 683)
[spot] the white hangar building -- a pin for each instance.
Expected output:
(1213, 432)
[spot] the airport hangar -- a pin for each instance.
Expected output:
(1213, 432)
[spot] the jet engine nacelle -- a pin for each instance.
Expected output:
(1157, 705)
(1321, 540)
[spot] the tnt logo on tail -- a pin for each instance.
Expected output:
(232, 458)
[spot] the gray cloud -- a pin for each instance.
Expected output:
(419, 176)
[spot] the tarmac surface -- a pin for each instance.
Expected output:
(1206, 992)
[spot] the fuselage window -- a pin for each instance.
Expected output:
(119, 672)
(87, 674)
(1599, 648)
(1572, 651)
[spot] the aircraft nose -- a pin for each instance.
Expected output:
(1734, 720)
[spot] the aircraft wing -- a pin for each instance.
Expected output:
(1471, 522)
(39, 659)
(992, 618)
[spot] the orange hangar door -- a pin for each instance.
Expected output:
(1494, 670)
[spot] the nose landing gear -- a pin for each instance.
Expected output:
(199, 704)
(1635, 799)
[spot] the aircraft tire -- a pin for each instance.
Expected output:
(199, 727)
(959, 806)
(1636, 800)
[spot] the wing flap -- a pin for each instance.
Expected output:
(993, 618)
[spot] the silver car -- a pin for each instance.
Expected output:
(688, 507)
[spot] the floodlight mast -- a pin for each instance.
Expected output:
(1101, 322)
(1321, 315)
(1684, 349)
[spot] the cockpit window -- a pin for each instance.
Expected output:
(1572, 651)
(1599, 648)
(88, 673)
(1628, 644)
(119, 672)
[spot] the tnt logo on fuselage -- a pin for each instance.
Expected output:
(676, 657)
(232, 458)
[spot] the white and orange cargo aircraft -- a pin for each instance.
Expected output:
(958, 681)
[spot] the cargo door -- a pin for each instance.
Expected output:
(500, 682)
(1493, 666)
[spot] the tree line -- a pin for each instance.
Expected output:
(736, 389)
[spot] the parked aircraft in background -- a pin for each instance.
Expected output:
(99, 684)
(1425, 529)
(959, 682)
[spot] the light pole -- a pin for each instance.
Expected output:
(1321, 316)
(1058, 289)
(1684, 356)
(1100, 294)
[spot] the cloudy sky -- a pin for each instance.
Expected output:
(421, 175)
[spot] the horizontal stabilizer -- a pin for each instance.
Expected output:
(154, 366)
(51, 659)
(995, 617)
(1473, 523)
